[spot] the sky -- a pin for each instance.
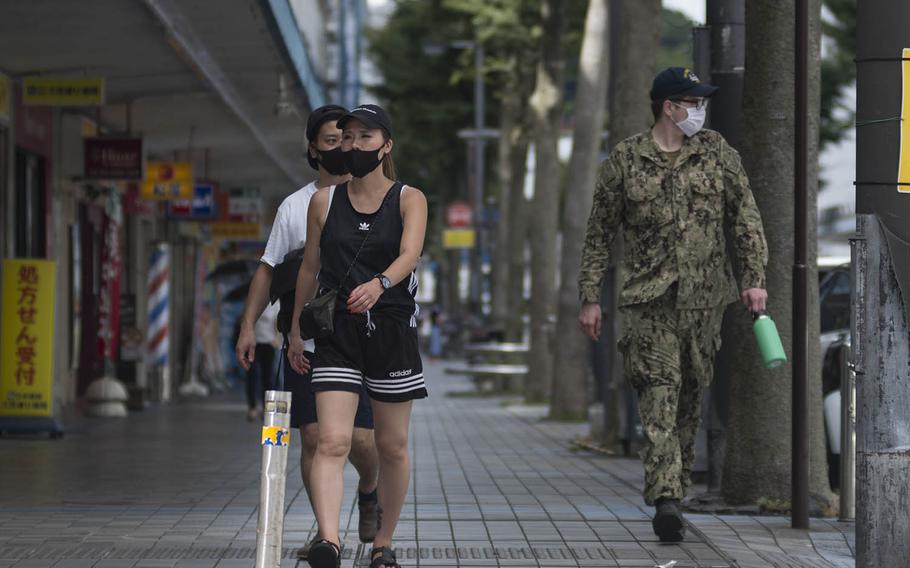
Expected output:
(695, 9)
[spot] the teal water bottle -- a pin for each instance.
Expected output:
(772, 350)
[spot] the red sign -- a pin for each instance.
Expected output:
(459, 215)
(113, 158)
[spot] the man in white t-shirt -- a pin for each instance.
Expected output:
(289, 235)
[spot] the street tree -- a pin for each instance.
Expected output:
(570, 394)
(838, 68)
(758, 459)
(545, 107)
(635, 46)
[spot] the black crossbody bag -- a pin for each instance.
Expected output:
(317, 319)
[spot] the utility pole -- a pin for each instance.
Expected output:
(881, 259)
(800, 388)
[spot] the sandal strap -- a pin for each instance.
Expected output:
(332, 544)
(386, 556)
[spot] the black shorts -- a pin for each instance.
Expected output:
(303, 401)
(387, 360)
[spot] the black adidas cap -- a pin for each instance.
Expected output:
(371, 115)
(679, 82)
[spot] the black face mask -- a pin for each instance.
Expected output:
(361, 162)
(333, 161)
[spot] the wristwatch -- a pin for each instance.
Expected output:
(384, 281)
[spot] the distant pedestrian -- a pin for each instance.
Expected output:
(672, 191)
(260, 376)
(436, 321)
(364, 240)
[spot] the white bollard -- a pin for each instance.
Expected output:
(276, 436)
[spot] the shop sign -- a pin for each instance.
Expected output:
(113, 158)
(244, 205)
(27, 338)
(458, 238)
(167, 180)
(63, 91)
(237, 231)
(200, 208)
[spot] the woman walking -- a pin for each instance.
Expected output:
(364, 240)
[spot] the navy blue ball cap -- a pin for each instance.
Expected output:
(679, 82)
(320, 116)
(371, 115)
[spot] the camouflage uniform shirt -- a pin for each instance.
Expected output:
(672, 216)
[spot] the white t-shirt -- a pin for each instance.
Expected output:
(289, 231)
(266, 325)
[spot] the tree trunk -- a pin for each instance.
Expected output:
(570, 395)
(509, 123)
(635, 40)
(757, 462)
(518, 233)
(546, 106)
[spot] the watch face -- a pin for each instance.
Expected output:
(386, 283)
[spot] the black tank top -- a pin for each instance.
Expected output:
(342, 236)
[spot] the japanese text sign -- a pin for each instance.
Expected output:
(26, 338)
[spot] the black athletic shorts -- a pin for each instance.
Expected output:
(303, 401)
(380, 352)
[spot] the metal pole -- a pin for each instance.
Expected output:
(479, 169)
(847, 437)
(800, 385)
(276, 436)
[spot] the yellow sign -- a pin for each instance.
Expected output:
(27, 338)
(63, 91)
(237, 231)
(275, 436)
(6, 97)
(167, 180)
(458, 238)
(903, 168)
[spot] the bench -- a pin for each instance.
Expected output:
(493, 377)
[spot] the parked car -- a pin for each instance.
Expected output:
(834, 312)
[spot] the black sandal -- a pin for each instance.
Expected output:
(324, 554)
(386, 557)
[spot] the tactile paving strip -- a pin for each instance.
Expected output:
(456, 554)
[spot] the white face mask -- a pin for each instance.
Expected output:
(695, 120)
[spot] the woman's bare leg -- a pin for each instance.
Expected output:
(391, 420)
(336, 411)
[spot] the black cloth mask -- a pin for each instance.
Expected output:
(333, 161)
(361, 162)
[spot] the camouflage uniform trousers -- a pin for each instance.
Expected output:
(668, 355)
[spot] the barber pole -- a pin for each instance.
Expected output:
(158, 300)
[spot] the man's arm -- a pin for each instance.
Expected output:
(746, 229)
(258, 296)
(603, 224)
(256, 301)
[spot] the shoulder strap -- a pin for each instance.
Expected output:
(329, 206)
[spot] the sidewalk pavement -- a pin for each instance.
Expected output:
(492, 485)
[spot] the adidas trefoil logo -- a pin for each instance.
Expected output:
(364, 226)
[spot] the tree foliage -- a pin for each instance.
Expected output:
(838, 69)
